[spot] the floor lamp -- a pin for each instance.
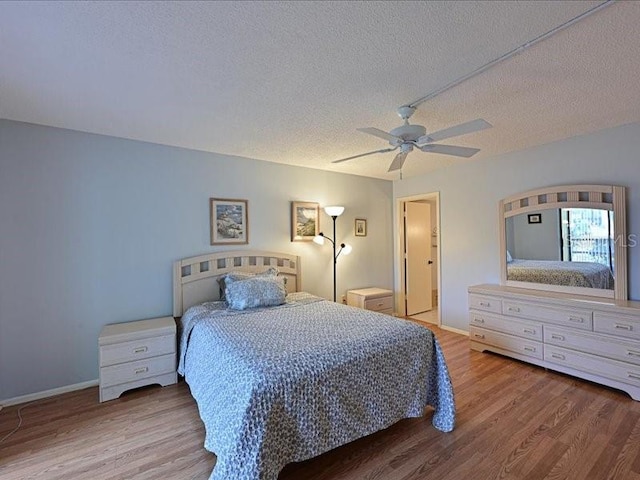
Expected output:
(334, 212)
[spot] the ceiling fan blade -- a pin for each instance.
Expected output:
(398, 161)
(465, 152)
(365, 154)
(455, 131)
(376, 132)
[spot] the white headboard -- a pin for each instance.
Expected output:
(195, 279)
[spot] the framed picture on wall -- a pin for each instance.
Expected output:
(535, 218)
(228, 221)
(361, 227)
(305, 221)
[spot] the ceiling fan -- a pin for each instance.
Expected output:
(407, 136)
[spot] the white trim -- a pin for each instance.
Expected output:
(454, 330)
(399, 255)
(49, 393)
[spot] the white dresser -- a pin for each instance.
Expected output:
(589, 337)
(376, 299)
(134, 354)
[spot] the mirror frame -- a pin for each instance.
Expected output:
(602, 197)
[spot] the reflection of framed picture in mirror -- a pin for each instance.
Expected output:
(228, 221)
(305, 221)
(535, 218)
(361, 227)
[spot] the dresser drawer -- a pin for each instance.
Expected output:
(519, 345)
(621, 325)
(613, 348)
(136, 350)
(576, 318)
(379, 304)
(487, 304)
(585, 362)
(506, 325)
(132, 371)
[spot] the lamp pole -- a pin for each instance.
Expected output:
(334, 212)
(335, 257)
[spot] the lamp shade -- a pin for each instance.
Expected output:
(319, 239)
(334, 210)
(346, 250)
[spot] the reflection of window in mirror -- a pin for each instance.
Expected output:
(587, 236)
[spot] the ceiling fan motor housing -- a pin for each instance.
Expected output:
(408, 133)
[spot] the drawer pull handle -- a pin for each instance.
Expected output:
(485, 304)
(576, 319)
(633, 354)
(628, 328)
(558, 356)
(381, 304)
(529, 330)
(141, 370)
(514, 309)
(140, 349)
(557, 337)
(530, 349)
(478, 320)
(635, 376)
(478, 335)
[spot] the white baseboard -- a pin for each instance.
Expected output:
(48, 393)
(455, 330)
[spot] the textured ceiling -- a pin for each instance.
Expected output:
(290, 82)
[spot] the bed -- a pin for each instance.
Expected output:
(572, 274)
(284, 383)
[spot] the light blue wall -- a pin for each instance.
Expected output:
(90, 226)
(469, 195)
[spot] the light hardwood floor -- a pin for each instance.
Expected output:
(515, 421)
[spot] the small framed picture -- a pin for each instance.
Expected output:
(228, 221)
(535, 218)
(305, 221)
(361, 227)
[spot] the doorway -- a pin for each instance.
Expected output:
(419, 257)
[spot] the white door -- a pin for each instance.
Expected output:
(418, 263)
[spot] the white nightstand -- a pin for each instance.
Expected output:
(134, 354)
(377, 299)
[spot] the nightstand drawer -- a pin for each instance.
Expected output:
(379, 304)
(132, 371)
(137, 350)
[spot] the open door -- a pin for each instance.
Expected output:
(418, 261)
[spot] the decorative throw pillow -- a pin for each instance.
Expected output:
(257, 291)
(234, 276)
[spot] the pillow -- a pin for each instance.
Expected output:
(238, 275)
(509, 257)
(257, 291)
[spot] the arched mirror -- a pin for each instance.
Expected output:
(569, 238)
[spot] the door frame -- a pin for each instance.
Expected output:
(399, 263)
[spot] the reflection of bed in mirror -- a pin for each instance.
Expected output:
(566, 239)
(552, 272)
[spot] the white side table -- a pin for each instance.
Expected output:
(376, 299)
(135, 354)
